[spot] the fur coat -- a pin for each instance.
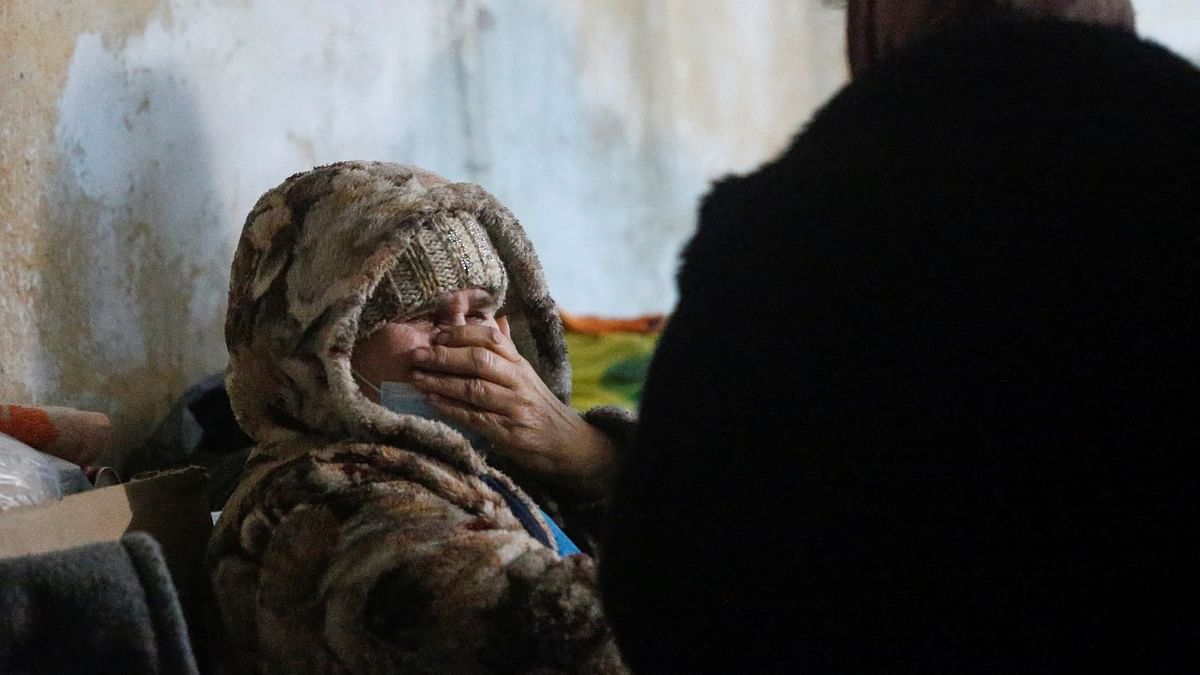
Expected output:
(360, 540)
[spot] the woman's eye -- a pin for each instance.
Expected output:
(478, 317)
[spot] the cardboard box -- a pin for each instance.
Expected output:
(170, 506)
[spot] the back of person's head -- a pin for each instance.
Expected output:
(928, 401)
(877, 29)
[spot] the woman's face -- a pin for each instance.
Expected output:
(387, 354)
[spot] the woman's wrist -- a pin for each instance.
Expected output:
(589, 460)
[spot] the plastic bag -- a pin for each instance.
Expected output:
(27, 476)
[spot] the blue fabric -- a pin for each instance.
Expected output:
(563, 543)
(566, 547)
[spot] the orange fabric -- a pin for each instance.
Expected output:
(593, 325)
(31, 426)
(78, 436)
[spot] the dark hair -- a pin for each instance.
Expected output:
(875, 30)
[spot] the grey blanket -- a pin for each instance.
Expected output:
(102, 608)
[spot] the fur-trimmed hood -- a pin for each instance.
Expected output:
(311, 253)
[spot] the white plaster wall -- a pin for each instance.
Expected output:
(1174, 23)
(599, 122)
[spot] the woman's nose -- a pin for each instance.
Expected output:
(458, 319)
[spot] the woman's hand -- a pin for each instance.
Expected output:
(475, 376)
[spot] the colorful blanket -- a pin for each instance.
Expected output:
(609, 358)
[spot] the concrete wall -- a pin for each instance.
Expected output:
(136, 134)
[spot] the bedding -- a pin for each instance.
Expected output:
(609, 358)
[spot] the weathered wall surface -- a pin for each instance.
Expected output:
(136, 134)
(134, 137)
(51, 350)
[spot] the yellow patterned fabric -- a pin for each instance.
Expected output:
(609, 369)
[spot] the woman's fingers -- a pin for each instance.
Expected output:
(479, 393)
(471, 362)
(475, 377)
(486, 337)
(482, 352)
(490, 424)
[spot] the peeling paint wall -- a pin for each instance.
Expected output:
(49, 351)
(136, 134)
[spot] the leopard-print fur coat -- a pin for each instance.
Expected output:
(360, 540)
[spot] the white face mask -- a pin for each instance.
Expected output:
(404, 399)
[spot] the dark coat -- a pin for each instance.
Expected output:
(929, 400)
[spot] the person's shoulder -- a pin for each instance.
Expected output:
(1010, 75)
(1019, 83)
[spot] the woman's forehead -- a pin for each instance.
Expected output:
(470, 297)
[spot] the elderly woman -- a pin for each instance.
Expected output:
(928, 402)
(392, 344)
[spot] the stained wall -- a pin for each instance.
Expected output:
(136, 134)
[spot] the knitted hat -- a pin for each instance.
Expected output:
(448, 252)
